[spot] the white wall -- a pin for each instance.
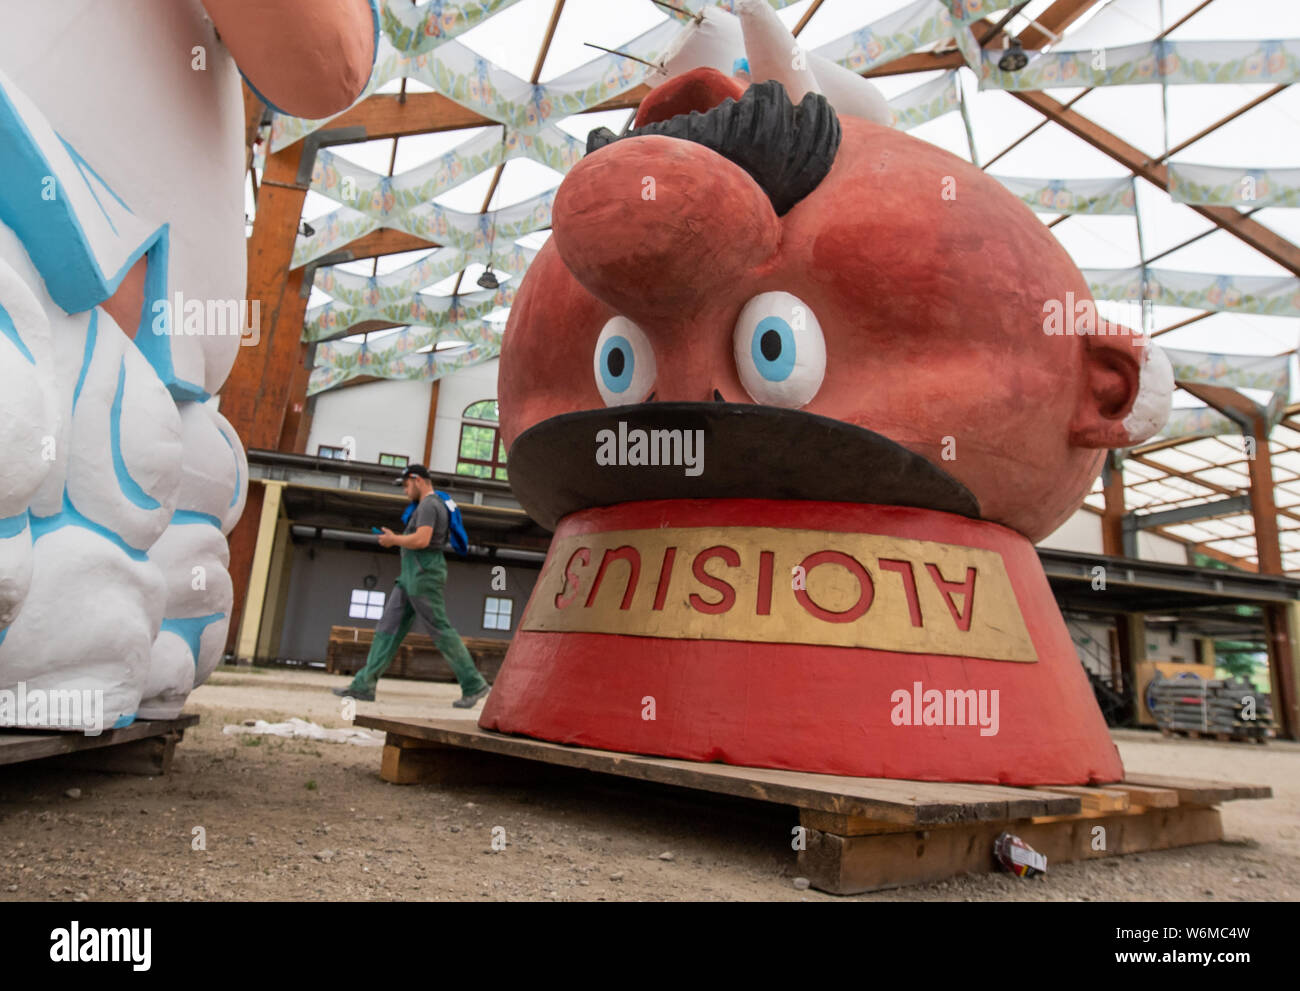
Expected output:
(1081, 532)
(469, 385)
(382, 417)
(1153, 547)
(392, 417)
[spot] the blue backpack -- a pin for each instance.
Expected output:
(456, 525)
(455, 522)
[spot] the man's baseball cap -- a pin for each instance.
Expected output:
(413, 471)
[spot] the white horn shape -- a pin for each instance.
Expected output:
(850, 94)
(718, 42)
(773, 52)
(715, 42)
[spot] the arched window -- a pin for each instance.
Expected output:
(481, 454)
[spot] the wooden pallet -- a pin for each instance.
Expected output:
(861, 834)
(1219, 736)
(417, 658)
(144, 747)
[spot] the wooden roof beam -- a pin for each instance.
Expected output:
(387, 115)
(1273, 246)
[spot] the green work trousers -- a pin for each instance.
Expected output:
(418, 592)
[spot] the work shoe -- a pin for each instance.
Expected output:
(352, 693)
(469, 701)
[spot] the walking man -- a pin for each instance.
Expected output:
(418, 591)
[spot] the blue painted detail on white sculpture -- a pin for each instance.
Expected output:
(54, 238)
(83, 167)
(153, 334)
(129, 486)
(57, 243)
(235, 496)
(124, 721)
(92, 335)
(8, 329)
(191, 630)
(68, 516)
(12, 526)
(184, 517)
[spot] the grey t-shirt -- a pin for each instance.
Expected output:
(431, 511)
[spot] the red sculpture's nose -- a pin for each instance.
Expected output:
(650, 225)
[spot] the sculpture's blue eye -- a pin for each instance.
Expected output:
(624, 363)
(779, 350)
(773, 349)
(617, 361)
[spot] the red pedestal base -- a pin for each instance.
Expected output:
(875, 641)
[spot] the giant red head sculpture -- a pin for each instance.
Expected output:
(868, 335)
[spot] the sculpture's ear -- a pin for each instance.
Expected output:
(1128, 386)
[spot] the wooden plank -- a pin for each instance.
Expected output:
(843, 825)
(1094, 799)
(23, 745)
(916, 803)
(150, 757)
(421, 762)
(388, 115)
(1192, 791)
(854, 864)
(1146, 797)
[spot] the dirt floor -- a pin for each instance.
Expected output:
(298, 819)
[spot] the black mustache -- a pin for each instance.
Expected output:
(749, 452)
(787, 149)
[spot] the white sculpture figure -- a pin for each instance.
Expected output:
(121, 170)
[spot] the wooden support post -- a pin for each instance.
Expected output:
(243, 541)
(255, 600)
(1282, 656)
(1205, 650)
(297, 413)
(1112, 520)
(433, 416)
(1263, 506)
(277, 592)
(1284, 669)
(254, 396)
(1132, 631)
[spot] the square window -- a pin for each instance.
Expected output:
(366, 604)
(497, 613)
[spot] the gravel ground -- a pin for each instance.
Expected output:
(298, 819)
